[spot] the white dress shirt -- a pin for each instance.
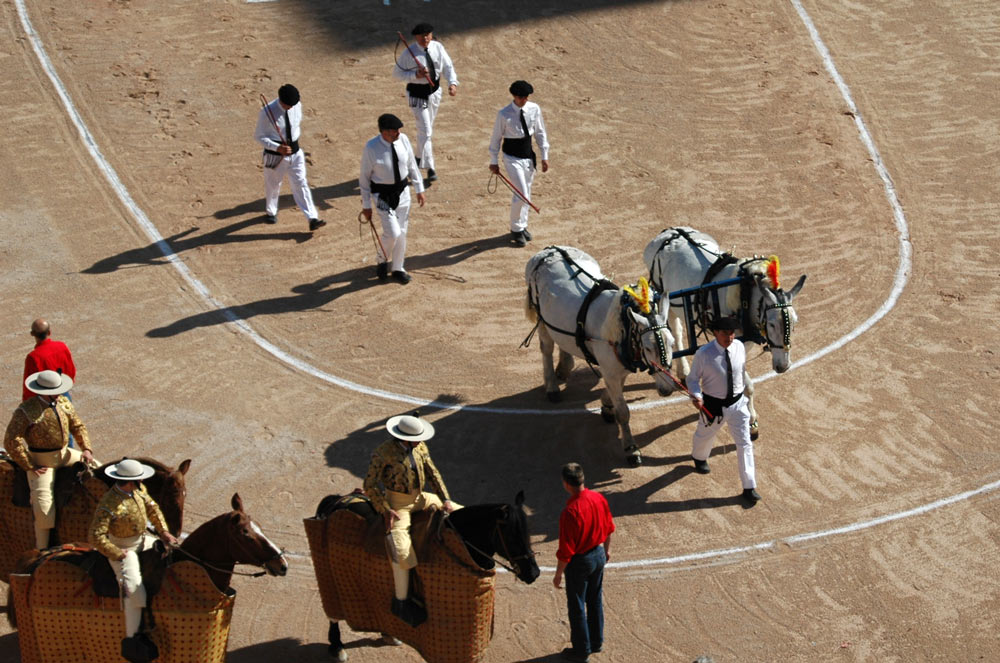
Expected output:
(266, 135)
(376, 166)
(508, 125)
(708, 370)
(406, 69)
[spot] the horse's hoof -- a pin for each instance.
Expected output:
(338, 653)
(634, 457)
(553, 396)
(608, 414)
(391, 640)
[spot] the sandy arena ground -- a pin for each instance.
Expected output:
(719, 115)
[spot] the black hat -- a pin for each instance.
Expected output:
(521, 88)
(389, 121)
(422, 29)
(288, 94)
(725, 323)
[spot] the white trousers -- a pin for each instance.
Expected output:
(394, 226)
(130, 578)
(40, 487)
(521, 174)
(423, 118)
(295, 167)
(737, 416)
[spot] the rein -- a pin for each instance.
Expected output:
(499, 534)
(209, 565)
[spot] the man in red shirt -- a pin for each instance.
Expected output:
(585, 529)
(48, 355)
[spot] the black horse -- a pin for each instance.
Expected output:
(486, 529)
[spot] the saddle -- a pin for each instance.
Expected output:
(422, 525)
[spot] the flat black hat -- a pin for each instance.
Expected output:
(521, 88)
(725, 323)
(288, 94)
(389, 121)
(422, 29)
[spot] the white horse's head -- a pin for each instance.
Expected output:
(657, 344)
(777, 319)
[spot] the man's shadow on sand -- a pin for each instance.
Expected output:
(319, 293)
(347, 189)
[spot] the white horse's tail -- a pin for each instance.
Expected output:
(530, 312)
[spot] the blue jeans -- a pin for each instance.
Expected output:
(584, 582)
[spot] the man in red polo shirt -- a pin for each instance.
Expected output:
(585, 529)
(48, 355)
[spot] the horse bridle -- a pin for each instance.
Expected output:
(786, 320)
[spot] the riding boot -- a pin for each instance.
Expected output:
(42, 537)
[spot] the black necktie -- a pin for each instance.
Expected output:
(430, 65)
(524, 125)
(729, 374)
(395, 164)
(288, 128)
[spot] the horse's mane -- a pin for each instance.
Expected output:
(612, 328)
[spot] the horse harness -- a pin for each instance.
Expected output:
(629, 350)
(754, 326)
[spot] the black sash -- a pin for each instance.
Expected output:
(422, 91)
(520, 148)
(294, 145)
(714, 405)
(388, 194)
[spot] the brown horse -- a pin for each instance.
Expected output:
(217, 546)
(77, 495)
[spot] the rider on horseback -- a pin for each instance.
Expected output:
(37, 439)
(395, 484)
(118, 531)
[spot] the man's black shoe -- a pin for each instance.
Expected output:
(518, 238)
(570, 654)
(527, 235)
(751, 495)
(382, 271)
(270, 218)
(701, 466)
(316, 224)
(431, 175)
(401, 277)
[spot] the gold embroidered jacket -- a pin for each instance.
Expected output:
(390, 469)
(40, 426)
(122, 515)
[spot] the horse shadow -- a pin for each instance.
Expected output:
(319, 293)
(283, 649)
(321, 195)
(486, 455)
(154, 254)
(10, 650)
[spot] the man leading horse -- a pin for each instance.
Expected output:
(395, 483)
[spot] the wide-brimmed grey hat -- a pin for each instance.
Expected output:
(128, 469)
(409, 428)
(48, 383)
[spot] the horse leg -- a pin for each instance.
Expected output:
(748, 390)
(607, 408)
(336, 648)
(615, 390)
(547, 346)
(565, 366)
(681, 364)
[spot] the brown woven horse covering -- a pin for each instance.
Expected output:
(72, 520)
(355, 584)
(61, 620)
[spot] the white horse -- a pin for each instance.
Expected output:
(587, 316)
(681, 257)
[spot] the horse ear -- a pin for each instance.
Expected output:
(769, 295)
(237, 502)
(184, 467)
(519, 500)
(798, 286)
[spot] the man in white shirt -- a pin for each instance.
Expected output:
(427, 62)
(278, 131)
(717, 381)
(388, 167)
(514, 126)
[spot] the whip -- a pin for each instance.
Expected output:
(379, 249)
(410, 51)
(514, 189)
